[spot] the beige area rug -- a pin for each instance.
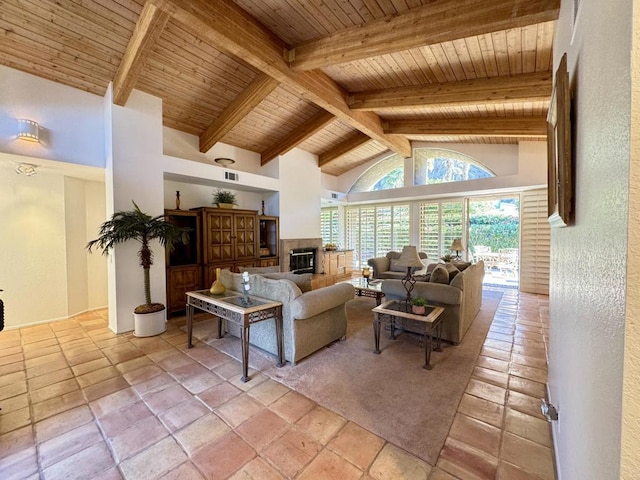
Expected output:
(389, 394)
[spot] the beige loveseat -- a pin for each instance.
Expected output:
(461, 296)
(311, 319)
(386, 267)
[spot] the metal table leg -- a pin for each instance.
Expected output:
(189, 325)
(279, 336)
(244, 333)
(427, 349)
(376, 332)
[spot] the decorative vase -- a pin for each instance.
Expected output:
(225, 205)
(217, 288)
(177, 199)
(418, 309)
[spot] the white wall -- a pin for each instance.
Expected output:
(71, 120)
(186, 146)
(630, 460)
(588, 281)
(32, 246)
(45, 271)
(75, 225)
(97, 284)
(133, 175)
(192, 196)
(300, 195)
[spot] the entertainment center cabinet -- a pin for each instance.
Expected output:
(219, 238)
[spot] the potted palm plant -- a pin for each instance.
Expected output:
(224, 198)
(149, 318)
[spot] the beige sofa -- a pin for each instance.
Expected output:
(461, 297)
(311, 319)
(386, 267)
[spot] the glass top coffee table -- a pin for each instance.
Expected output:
(397, 311)
(231, 307)
(367, 288)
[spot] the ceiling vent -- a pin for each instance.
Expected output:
(231, 176)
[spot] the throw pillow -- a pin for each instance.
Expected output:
(302, 280)
(395, 267)
(452, 269)
(439, 275)
(423, 270)
(462, 265)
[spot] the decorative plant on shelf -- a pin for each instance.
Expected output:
(224, 198)
(137, 225)
(447, 257)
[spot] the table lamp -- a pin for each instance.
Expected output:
(366, 273)
(409, 258)
(457, 246)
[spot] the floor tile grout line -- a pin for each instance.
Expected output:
(512, 309)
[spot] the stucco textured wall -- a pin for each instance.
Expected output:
(630, 460)
(588, 259)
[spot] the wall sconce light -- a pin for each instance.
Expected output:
(27, 169)
(225, 162)
(28, 130)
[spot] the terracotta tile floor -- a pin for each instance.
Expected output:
(80, 402)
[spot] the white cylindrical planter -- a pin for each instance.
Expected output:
(149, 324)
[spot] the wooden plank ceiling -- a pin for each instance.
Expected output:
(347, 80)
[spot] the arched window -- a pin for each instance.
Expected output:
(431, 165)
(437, 165)
(385, 174)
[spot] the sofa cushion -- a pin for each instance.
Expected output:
(282, 291)
(302, 280)
(439, 275)
(260, 270)
(396, 267)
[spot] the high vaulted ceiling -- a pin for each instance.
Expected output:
(344, 79)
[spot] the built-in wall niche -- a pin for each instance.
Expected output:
(184, 254)
(269, 236)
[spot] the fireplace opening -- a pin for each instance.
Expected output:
(302, 260)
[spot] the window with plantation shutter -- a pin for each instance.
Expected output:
(535, 239)
(330, 225)
(372, 231)
(440, 224)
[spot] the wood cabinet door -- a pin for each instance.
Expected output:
(348, 262)
(179, 281)
(340, 263)
(219, 237)
(245, 241)
(269, 262)
(210, 272)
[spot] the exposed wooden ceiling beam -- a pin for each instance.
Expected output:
(299, 135)
(235, 32)
(342, 149)
(258, 90)
(428, 25)
(148, 29)
(528, 87)
(487, 127)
